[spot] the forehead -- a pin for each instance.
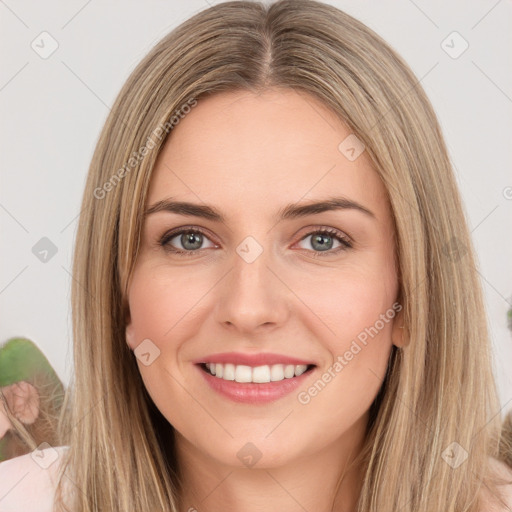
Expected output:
(240, 150)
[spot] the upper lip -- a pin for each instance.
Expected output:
(261, 359)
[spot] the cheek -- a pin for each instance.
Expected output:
(356, 306)
(162, 303)
(361, 318)
(358, 309)
(159, 301)
(349, 301)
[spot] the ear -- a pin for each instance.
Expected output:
(23, 401)
(398, 336)
(130, 333)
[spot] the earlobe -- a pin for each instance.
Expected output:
(129, 330)
(398, 335)
(130, 335)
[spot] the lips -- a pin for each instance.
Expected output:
(261, 359)
(254, 378)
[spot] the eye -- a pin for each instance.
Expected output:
(190, 241)
(322, 241)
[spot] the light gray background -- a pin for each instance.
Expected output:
(53, 109)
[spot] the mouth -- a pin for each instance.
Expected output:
(255, 374)
(254, 378)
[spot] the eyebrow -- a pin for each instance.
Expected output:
(291, 211)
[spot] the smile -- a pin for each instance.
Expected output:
(254, 378)
(258, 374)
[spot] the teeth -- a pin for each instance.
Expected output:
(261, 374)
(276, 372)
(243, 373)
(258, 374)
(289, 371)
(300, 369)
(229, 372)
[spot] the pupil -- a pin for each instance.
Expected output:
(190, 238)
(320, 239)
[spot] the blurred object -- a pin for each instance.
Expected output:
(31, 397)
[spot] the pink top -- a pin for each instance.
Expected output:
(28, 482)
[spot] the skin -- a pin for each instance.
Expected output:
(248, 156)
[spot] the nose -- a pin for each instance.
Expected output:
(252, 298)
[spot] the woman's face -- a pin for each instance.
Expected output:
(261, 295)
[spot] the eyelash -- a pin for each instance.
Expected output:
(345, 243)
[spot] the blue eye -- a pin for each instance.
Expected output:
(323, 241)
(192, 239)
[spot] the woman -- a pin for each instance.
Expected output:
(279, 297)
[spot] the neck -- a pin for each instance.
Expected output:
(326, 481)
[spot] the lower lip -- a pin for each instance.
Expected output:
(253, 393)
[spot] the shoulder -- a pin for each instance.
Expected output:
(28, 482)
(503, 502)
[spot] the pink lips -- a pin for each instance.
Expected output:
(249, 392)
(251, 359)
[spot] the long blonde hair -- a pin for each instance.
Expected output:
(439, 389)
